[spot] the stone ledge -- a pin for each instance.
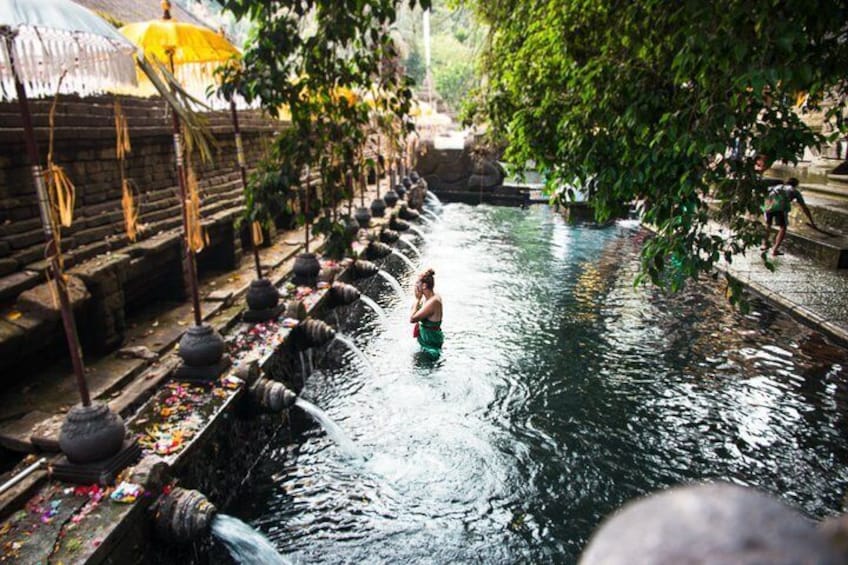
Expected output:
(13, 285)
(41, 301)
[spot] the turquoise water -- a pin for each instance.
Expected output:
(562, 392)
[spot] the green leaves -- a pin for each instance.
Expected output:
(314, 59)
(667, 102)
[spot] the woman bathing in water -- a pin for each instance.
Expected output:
(427, 314)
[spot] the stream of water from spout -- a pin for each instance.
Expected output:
(246, 545)
(430, 214)
(374, 306)
(346, 446)
(358, 352)
(411, 246)
(303, 372)
(417, 232)
(425, 219)
(404, 258)
(433, 198)
(392, 281)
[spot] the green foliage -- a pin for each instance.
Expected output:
(415, 65)
(646, 98)
(455, 38)
(316, 58)
(268, 195)
(338, 239)
(454, 81)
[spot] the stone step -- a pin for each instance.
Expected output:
(828, 190)
(830, 251)
(830, 218)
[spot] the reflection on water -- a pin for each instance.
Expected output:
(561, 393)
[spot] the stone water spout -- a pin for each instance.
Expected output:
(389, 235)
(364, 269)
(183, 515)
(377, 250)
(397, 224)
(407, 213)
(272, 396)
(311, 333)
(342, 294)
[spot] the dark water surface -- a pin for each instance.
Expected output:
(562, 392)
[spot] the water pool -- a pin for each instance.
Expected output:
(562, 392)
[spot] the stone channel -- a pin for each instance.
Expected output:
(196, 435)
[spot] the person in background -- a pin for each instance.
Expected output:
(427, 314)
(776, 209)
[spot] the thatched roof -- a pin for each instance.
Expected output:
(121, 12)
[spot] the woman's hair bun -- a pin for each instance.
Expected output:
(429, 273)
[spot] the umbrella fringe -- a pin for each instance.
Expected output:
(60, 188)
(94, 64)
(256, 232)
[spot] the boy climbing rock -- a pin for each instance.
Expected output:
(776, 208)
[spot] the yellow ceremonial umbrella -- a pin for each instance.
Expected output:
(191, 53)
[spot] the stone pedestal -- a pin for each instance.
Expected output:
(101, 472)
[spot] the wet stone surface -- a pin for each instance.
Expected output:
(178, 412)
(795, 281)
(30, 534)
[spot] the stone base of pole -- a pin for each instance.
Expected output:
(202, 351)
(203, 373)
(255, 316)
(102, 472)
(91, 433)
(306, 269)
(262, 301)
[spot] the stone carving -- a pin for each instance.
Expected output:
(458, 170)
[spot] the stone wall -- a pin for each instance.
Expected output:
(120, 276)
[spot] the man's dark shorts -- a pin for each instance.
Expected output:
(780, 218)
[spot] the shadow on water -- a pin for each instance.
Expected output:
(425, 360)
(562, 392)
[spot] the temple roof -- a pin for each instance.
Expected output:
(121, 12)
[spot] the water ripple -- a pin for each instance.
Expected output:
(561, 393)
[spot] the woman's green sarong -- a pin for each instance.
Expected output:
(430, 336)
